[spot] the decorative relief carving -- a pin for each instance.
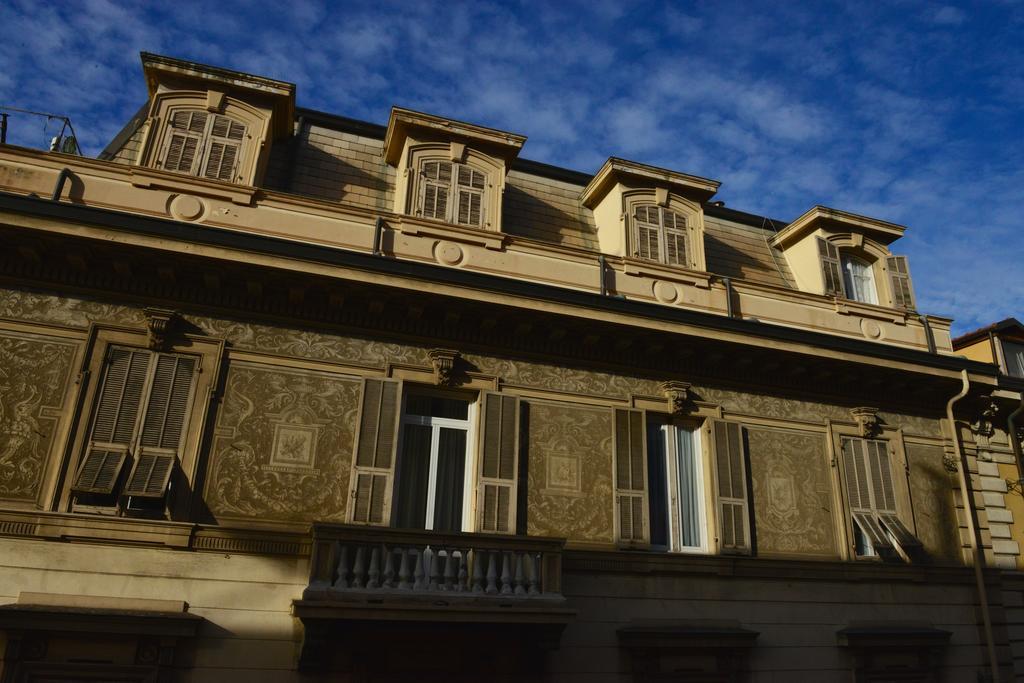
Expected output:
(931, 490)
(678, 395)
(792, 492)
(73, 312)
(570, 472)
(868, 421)
(444, 361)
(283, 444)
(162, 324)
(448, 253)
(987, 412)
(35, 377)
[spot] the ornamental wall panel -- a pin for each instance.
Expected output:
(570, 472)
(35, 387)
(931, 490)
(792, 493)
(282, 449)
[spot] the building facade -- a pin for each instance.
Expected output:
(288, 396)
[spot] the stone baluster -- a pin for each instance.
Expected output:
(359, 568)
(492, 572)
(403, 570)
(462, 585)
(506, 573)
(373, 576)
(532, 572)
(519, 559)
(342, 556)
(449, 570)
(420, 572)
(435, 569)
(389, 567)
(478, 570)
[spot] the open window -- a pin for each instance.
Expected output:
(877, 528)
(136, 431)
(436, 460)
(676, 471)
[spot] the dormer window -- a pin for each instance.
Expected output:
(659, 234)
(442, 180)
(858, 280)
(203, 144)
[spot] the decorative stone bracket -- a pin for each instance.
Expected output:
(678, 395)
(987, 412)
(161, 323)
(443, 361)
(868, 420)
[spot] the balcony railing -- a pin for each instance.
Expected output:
(349, 560)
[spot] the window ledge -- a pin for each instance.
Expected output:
(851, 307)
(165, 180)
(413, 226)
(640, 267)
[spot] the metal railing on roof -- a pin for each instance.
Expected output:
(65, 141)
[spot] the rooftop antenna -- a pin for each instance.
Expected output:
(65, 142)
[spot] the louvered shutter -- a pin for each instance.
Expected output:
(223, 149)
(499, 464)
(114, 420)
(861, 461)
(676, 247)
(645, 232)
(374, 459)
(630, 476)
(163, 426)
(434, 196)
(899, 282)
(831, 272)
(733, 519)
(470, 188)
(185, 137)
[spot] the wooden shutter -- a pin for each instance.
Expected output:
(499, 464)
(733, 517)
(645, 231)
(163, 426)
(373, 466)
(184, 140)
(470, 188)
(225, 142)
(831, 272)
(899, 282)
(880, 474)
(114, 420)
(434, 197)
(869, 487)
(675, 238)
(630, 476)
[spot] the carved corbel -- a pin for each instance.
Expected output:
(868, 421)
(678, 395)
(443, 361)
(988, 411)
(161, 323)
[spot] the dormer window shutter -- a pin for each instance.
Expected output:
(373, 471)
(676, 248)
(184, 141)
(114, 421)
(899, 281)
(225, 140)
(645, 231)
(630, 477)
(831, 270)
(730, 470)
(437, 180)
(499, 464)
(470, 192)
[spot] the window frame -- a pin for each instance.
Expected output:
(662, 232)
(469, 479)
(451, 215)
(848, 259)
(209, 351)
(1011, 350)
(205, 140)
(668, 426)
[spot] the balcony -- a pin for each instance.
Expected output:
(364, 577)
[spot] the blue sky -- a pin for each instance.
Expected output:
(906, 111)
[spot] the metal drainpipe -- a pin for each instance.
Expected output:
(1014, 441)
(378, 233)
(928, 334)
(601, 267)
(65, 173)
(728, 296)
(972, 527)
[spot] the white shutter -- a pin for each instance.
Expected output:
(645, 232)
(730, 469)
(676, 247)
(185, 137)
(223, 149)
(831, 271)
